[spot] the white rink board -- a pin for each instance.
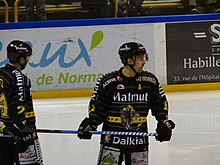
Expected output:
(75, 57)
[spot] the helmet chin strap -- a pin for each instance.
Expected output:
(132, 67)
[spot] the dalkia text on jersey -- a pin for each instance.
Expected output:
(128, 141)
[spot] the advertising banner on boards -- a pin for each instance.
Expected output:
(193, 52)
(76, 57)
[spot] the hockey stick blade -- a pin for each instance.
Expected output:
(95, 132)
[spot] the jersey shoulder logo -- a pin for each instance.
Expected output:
(120, 86)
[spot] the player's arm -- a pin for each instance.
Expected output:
(159, 104)
(16, 94)
(29, 110)
(159, 108)
(96, 112)
(13, 111)
(16, 102)
(13, 107)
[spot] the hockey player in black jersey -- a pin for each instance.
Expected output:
(121, 101)
(16, 110)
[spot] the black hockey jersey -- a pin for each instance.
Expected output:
(16, 106)
(122, 104)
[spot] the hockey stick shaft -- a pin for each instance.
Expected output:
(96, 132)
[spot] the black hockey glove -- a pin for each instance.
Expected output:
(22, 143)
(164, 130)
(85, 127)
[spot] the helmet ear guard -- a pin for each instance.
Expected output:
(131, 50)
(17, 49)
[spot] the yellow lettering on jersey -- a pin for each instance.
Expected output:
(29, 114)
(91, 108)
(21, 109)
(1, 83)
(139, 125)
(165, 106)
(3, 106)
(139, 87)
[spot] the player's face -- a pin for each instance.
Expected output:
(139, 63)
(23, 61)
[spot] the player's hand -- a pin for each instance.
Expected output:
(23, 142)
(164, 130)
(85, 127)
(27, 135)
(27, 130)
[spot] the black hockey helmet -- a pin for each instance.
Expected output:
(131, 50)
(17, 49)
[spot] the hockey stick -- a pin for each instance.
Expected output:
(95, 132)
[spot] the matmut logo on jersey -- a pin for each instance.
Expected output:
(19, 84)
(120, 97)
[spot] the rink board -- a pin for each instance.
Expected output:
(71, 55)
(88, 92)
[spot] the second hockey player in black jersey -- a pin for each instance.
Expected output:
(121, 101)
(16, 110)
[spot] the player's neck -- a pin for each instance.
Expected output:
(17, 66)
(128, 72)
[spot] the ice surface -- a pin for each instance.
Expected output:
(195, 141)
